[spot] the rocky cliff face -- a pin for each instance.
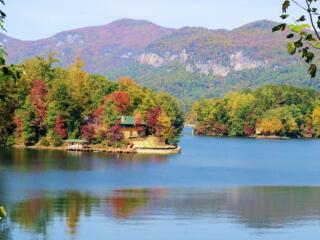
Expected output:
(237, 61)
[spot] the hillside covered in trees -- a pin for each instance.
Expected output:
(189, 63)
(43, 105)
(271, 110)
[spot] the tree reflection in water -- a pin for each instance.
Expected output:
(36, 213)
(255, 207)
(28, 160)
(126, 203)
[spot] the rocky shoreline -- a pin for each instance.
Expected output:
(97, 148)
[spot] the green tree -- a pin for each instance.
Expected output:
(30, 122)
(316, 120)
(62, 104)
(239, 106)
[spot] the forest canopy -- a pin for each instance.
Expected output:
(44, 104)
(272, 110)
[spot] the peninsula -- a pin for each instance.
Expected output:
(68, 108)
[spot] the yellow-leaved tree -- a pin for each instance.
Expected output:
(316, 121)
(269, 126)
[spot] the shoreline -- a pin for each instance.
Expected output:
(271, 137)
(94, 148)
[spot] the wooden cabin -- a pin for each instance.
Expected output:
(131, 129)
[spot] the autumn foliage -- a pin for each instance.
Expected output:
(53, 103)
(122, 101)
(281, 111)
(114, 134)
(268, 127)
(60, 128)
(248, 129)
(152, 118)
(87, 132)
(38, 94)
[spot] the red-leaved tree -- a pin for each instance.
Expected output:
(87, 132)
(60, 128)
(139, 124)
(114, 134)
(122, 101)
(97, 115)
(152, 118)
(248, 130)
(38, 94)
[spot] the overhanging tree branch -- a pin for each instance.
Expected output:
(311, 19)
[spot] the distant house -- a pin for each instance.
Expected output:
(131, 128)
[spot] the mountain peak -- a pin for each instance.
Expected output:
(261, 24)
(131, 22)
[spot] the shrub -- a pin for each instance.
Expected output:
(55, 140)
(44, 142)
(10, 141)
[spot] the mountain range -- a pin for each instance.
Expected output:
(189, 62)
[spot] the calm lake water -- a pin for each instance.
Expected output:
(218, 188)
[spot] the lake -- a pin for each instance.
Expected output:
(218, 188)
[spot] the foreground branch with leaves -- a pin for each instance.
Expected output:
(303, 33)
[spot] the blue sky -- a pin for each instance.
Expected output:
(34, 19)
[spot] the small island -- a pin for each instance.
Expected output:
(69, 109)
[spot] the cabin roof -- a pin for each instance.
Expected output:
(129, 120)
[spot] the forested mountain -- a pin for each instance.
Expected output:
(190, 62)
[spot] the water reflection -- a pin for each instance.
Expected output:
(253, 207)
(29, 160)
(126, 203)
(60, 195)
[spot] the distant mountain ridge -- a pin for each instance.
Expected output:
(88, 42)
(127, 41)
(189, 62)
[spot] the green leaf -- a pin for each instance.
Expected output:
(309, 37)
(294, 28)
(284, 16)
(312, 70)
(304, 26)
(309, 56)
(301, 19)
(292, 48)
(290, 35)
(299, 28)
(280, 27)
(298, 44)
(316, 44)
(285, 5)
